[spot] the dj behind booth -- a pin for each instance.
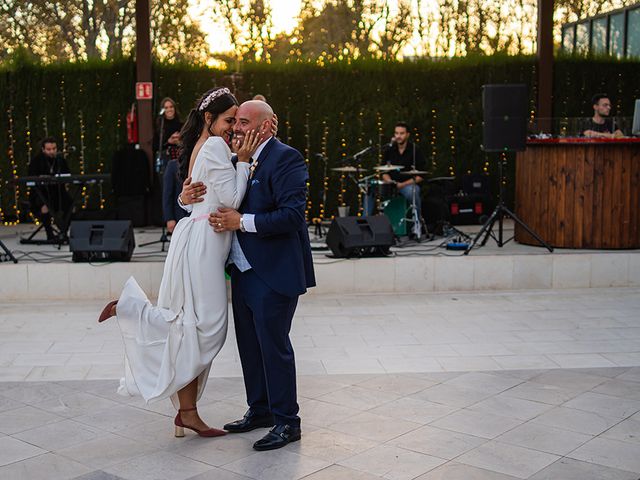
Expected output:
(578, 180)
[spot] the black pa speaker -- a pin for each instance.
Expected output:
(360, 236)
(107, 241)
(504, 117)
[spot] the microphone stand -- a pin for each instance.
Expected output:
(363, 188)
(164, 239)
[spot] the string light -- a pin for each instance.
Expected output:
(360, 173)
(325, 186)
(452, 140)
(307, 151)
(29, 148)
(380, 157)
(287, 122)
(432, 142)
(28, 131)
(534, 93)
(99, 157)
(81, 157)
(45, 125)
(14, 167)
(118, 128)
(63, 107)
(343, 156)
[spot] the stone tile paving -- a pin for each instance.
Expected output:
(371, 426)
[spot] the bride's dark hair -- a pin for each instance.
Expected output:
(192, 128)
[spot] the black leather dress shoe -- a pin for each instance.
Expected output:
(278, 437)
(249, 422)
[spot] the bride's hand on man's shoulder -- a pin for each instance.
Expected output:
(248, 147)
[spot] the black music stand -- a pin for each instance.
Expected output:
(7, 253)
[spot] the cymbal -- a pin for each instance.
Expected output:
(387, 168)
(349, 169)
(414, 172)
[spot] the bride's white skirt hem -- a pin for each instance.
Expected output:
(164, 350)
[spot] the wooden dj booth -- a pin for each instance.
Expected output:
(580, 192)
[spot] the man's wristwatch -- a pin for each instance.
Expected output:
(180, 202)
(242, 229)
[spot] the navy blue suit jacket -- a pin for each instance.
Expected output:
(279, 253)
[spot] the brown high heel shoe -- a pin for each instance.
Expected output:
(106, 311)
(212, 432)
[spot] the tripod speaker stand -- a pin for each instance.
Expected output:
(498, 215)
(7, 253)
(504, 130)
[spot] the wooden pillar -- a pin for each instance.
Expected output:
(545, 63)
(143, 74)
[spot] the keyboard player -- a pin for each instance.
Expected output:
(47, 200)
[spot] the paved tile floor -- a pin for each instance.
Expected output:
(530, 385)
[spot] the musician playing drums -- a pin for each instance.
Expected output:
(404, 152)
(46, 200)
(404, 156)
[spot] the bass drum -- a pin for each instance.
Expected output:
(396, 211)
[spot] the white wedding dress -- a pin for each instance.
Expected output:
(168, 345)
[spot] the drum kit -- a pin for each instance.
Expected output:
(402, 214)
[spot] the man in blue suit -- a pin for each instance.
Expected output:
(271, 266)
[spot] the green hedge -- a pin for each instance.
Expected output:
(336, 109)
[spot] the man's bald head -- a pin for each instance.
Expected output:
(253, 115)
(257, 109)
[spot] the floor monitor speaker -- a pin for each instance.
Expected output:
(360, 236)
(106, 241)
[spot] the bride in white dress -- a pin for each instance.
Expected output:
(169, 348)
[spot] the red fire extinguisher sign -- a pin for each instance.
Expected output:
(144, 90)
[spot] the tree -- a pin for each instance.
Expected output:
(250, 27)
(353, 28)
(58, 30)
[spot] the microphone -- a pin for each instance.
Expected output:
(391, 143)
(161, 111)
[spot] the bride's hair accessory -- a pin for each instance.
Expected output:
(212, 96)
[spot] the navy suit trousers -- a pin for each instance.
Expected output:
(263, 321)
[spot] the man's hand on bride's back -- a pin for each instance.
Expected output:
(192, 192)
(248, 147)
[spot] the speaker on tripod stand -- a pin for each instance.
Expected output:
(504, 129)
